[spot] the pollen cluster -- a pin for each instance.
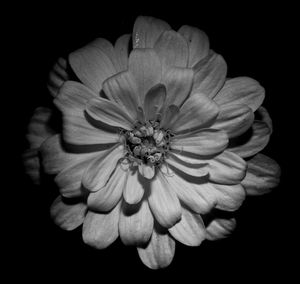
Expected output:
(147, 144)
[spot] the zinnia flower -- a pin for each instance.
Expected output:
(155, 141)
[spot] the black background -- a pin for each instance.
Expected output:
(256, 41)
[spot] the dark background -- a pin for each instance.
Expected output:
(256, 41)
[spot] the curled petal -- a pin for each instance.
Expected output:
(195, 113)
(220, 228)
(234, 119)
(209, 76)
(57, 76)
(160, 250)
(67, 216)
(204, 142)
(260, 136)
(172, 49)
(163, 202)
(101, 229)
(107, 197)
(136, 223)
(147, 30)
(262, 175)
(198, 43)
(99, 170)
(241, 90)
(190, 230)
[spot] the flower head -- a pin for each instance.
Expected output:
(154, 141)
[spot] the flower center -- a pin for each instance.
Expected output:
(147, 144)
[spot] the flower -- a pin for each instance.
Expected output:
(155, 141)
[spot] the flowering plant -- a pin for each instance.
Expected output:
(155, 141)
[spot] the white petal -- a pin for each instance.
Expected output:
(67, 216)
(198, 43)
(101, 229)
(109, 113)
(163, 202)
(133, 189)
(98, 172)
(260, 136)
(172, 49)
(220, 228)
(195, 113)
(234, 119)
(92, 65)
(229, 197)
(159, 252)
(107, 197)
(147, 171)
(209, 76)
(145, 67)
(263, 174)
(241, 90)
(204, 142)
(136, 223)
(190, 230)
(147, 30)
(122, 51)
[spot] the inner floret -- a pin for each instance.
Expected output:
(147, 144)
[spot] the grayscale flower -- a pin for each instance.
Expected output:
(154, 140)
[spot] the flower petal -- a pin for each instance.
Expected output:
(154, 101)
(163, 202)
(195, 113)
(70, 178)
(39, 127)
(260, 137)
(190, 230)
(57, 76)
(98, 172)
(107, 197)
(109, 113)
(101, 229)
(92, 65)
(160, 250)
(122, 51)
(172, 49)
(194, 169)
(234, 119)
(122, 89)
(227, 168)
(178, 83)
(192, 195)
(220, 228)
(31, 164)
(209, 76)
(241, 90)
(263, 174)
(133, 190)
(145, 67)
(198, 43)
(229, 197)
(147, 30)
(147, 171)
(136, 223)
(169, 116)
(204, 142)
(264, 116)
(67, 216)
